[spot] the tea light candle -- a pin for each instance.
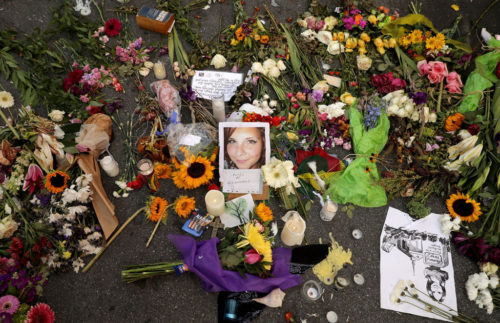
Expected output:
(311, 290)
(215, 203)
(219, 109)
(110, 166)
(293, 231)
(328, 211)
(159, 70)
(145, 167)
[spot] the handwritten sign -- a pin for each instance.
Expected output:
(242, 181)
(210, 84)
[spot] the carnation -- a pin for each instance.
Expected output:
(56, 115)
(218, 61)
(274, 72)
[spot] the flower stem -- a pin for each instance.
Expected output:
(440, 97)
(99, 10)
(9, 125)
(156, 228)
(113, 237)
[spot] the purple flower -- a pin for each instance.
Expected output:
(362, 23)
(418, 97)
(5, 317)
(317, 95)
(188, 94)
(348, 22)
(464, 59)
(138, 43)
(304, 132)
(163, 51)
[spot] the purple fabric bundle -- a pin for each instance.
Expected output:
(203, 260)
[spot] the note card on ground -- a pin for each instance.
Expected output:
(210, 84)
(237, 211)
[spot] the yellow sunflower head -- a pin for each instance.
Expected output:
(196, 171)
(157, 209)
(467, 209)
(264, 212)
(162, 171)
(56, 181)
(184, 206)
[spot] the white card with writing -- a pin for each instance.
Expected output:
(210, 84)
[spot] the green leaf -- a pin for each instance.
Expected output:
(481, 179)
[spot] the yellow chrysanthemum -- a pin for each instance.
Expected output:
(258, 242)
(66, 254)
(196, 171)
(435, 43)
(461, 205)
(6, 99)
(264, 212)
(184, 206)
(416, 36)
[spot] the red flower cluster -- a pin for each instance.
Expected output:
(386, 83)
(34, 255)
(73, 79)
(254, 117)
(113, 27)
(138, 183)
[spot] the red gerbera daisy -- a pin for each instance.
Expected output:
(40, 313)
(113, 27)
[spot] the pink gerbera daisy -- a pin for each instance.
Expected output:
(9, 304)
(40, 313)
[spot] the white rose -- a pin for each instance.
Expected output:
(309, 35)
(325, 37)
(392, 110)
(149, 64)
(401, 113)
(257, 68)
(409, 108)
(218, 61)
(273, 103)
(144, 71)
(281, 65)
(335, 48)
(269, 63)
(56, 115)
(266, 97)
(330, 22)
(274, 72)
(322, 86)
(364, 62)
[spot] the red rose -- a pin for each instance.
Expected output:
(386, 89)
(75, 75)
(398, 84)
(382, 79)
(67, 84)
(113, 27)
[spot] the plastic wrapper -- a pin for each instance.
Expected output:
(95, 134)
(190, 139)
(357, 184)
(168, 97)
(482, 78)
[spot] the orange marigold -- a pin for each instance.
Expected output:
(264, 212)
(264, 39)
(454, 122)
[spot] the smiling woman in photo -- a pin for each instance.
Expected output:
(244, 147)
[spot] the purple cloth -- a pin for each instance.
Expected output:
(203, 260)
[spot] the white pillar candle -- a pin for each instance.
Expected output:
(328, 211)
(215, 203)
(159, 70)
(293, 231)
(110, 166)
(219, 109)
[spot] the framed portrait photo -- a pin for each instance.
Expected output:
(244, 148)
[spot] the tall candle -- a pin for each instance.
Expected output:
(215, 203)
(110, 166)
(219, 109)
(293, 231)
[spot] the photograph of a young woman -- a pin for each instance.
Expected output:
(244, 147)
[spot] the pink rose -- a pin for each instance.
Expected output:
(338, 141)
(439, 70)
(398, 83)
(434, 77)
(454, 87)
(346, 146)
(454, 76)
(323, 116)
(423, 67)
(252, 257)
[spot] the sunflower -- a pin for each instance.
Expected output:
(454, 122)
(184, 206)
(162, 171)
(467, 209)
(258, 242)
(264, 212)
(195, 172)
(157, 209)
(56, 181)
(6, 99)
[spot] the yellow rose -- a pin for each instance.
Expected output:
(362, 50)
(365, 37)
(381, 50)
(361, 43)
(372, 19)
(392, 43)
(347, 98)
(378, 42)
(291, 136)
(351, 43)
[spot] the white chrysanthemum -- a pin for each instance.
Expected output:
(448, 224)
(77, 264)
(274, 72)
(268, 64)
(257, 68)
(94, 236)
(84, 194)
(6, 99)
(324, 37)
(493, 283)
(84, 180)
(55, 217)
(69, 196)
(75, 210)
